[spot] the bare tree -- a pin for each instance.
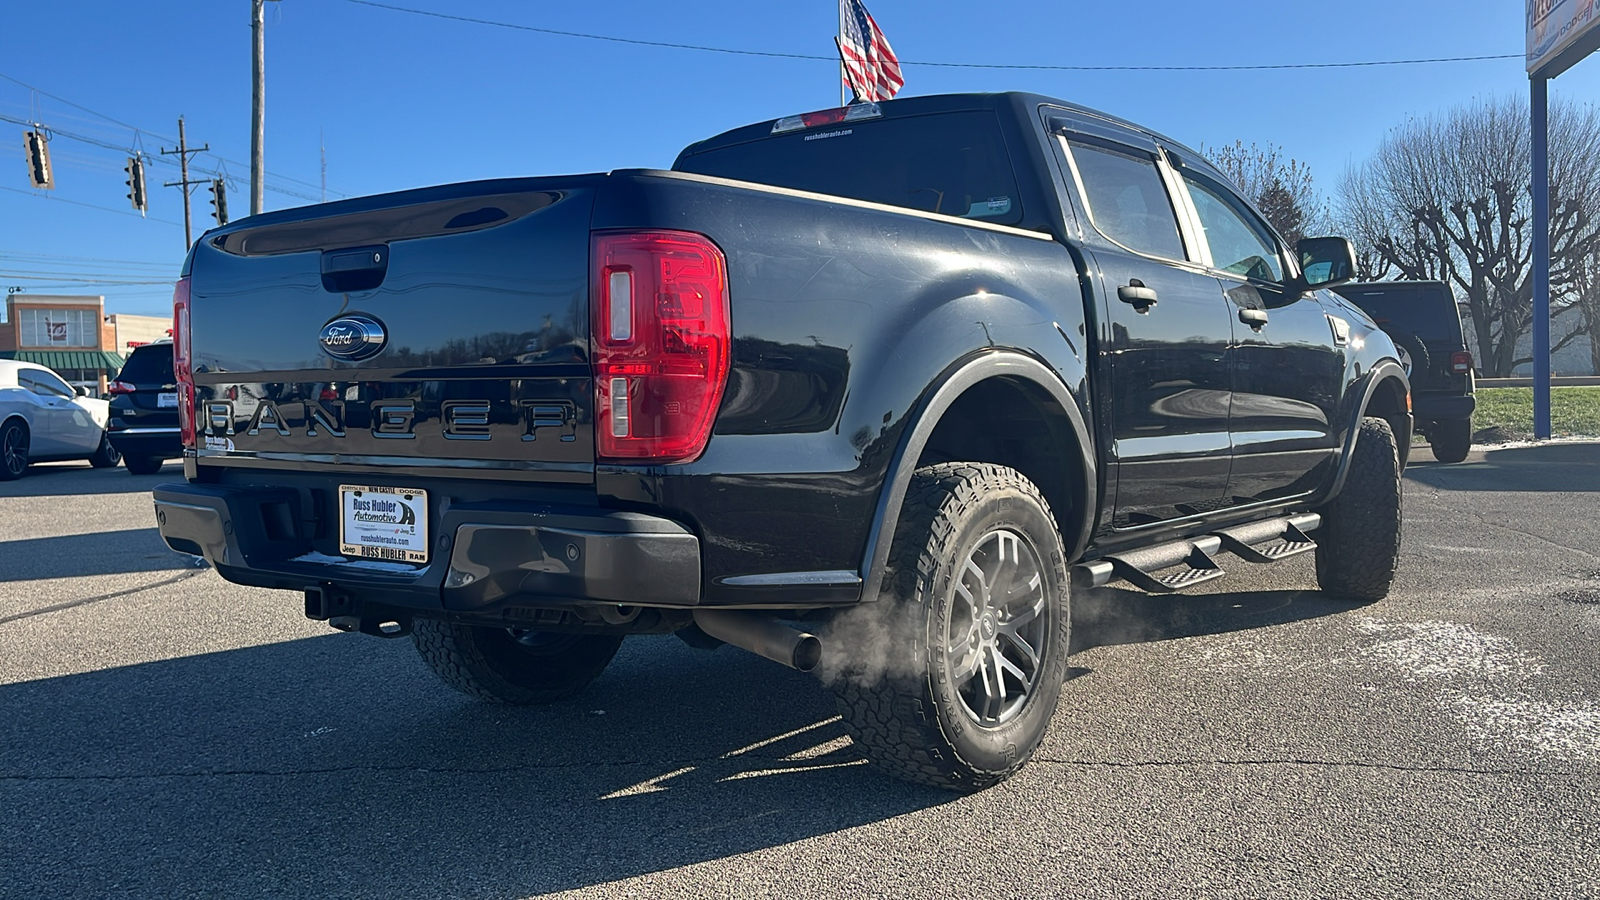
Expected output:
(1281, 188)
(1447, 198)
(1584, 299)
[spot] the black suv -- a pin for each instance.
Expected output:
(144, 409)
(1422, 319)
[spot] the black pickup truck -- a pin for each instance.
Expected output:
(868, 390)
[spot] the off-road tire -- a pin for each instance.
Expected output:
(1450, 439)
(908, 710)
(1358, 545)
(499, 666)
(1417, 350)
(14, 441)
(143, 465)
(105, 456)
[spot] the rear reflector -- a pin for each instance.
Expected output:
(181, 365)
(1461, 362)
(660, 315)
(855, 112)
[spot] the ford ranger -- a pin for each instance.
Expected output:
(870, 391)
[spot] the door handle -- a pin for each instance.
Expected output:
(1136, 294)
(1255, 318)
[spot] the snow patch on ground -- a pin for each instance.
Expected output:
(1425, 651)
(1486, 684)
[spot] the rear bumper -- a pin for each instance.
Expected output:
(165, 443)
(484, 557)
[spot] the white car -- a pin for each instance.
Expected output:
(43, 418)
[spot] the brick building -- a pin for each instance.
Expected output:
(65, 333)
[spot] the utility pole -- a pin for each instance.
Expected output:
(183, 153)
(258, 106)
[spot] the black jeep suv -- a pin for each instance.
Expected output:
(1422, 319)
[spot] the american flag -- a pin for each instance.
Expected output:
(870, 66)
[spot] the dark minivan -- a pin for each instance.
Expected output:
(144, 409)
(1423, 320)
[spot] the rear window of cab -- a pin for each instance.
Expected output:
(954, 164)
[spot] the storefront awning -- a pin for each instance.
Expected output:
(61, 360)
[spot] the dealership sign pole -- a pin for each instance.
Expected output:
(1560, 33)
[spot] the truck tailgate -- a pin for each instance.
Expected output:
(446, 327)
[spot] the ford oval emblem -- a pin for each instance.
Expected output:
(353, 337)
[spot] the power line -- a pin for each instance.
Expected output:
(78, 261)
(79, 107)
(119, 212)
(14, 276)
(214, 173)
(154, 134)
(948, 65)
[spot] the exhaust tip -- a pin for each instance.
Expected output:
(807, 652)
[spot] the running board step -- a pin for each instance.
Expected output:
(1272, 540)
(1191, 558)
(1267, 541)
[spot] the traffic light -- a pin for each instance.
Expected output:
(135, 170)
(38, 152)
(219, 201)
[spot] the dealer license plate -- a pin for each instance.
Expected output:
(167, 401)
(385, 523)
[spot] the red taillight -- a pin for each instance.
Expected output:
(180, 361)
(120, 387)
(661, 334)
(1461, 362)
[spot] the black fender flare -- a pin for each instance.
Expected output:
(1382, 371)
(936, 400)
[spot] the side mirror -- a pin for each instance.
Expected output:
(82, 391)
(1325, 262)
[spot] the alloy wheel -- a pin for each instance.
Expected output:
(14, 451)
(998, 628)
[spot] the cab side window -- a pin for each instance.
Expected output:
(1127, 199)
(1239, 243)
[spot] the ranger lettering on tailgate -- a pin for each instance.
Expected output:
(462, 420)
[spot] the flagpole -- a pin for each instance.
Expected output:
(843, 100)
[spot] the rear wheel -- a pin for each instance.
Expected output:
(105, 456)
(1358, 545)
(143, 465)
(977, 629)
(510, 665)
(1450, 439)
(13, 450)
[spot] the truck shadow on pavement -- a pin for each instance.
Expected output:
(1558, 467)
(1110, 616)
(336, 765)
(62, 479)
(95, 553)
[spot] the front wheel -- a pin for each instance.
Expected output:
(13, 450)
(1358, 545)
(105, 456)
(510, 665)
(976, 626)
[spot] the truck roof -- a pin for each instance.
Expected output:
(1017, 101)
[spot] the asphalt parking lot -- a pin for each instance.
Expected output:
(166, 734)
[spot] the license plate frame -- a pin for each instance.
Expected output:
(384, 523)
(167, 400)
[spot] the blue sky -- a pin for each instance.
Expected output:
(402, 100)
